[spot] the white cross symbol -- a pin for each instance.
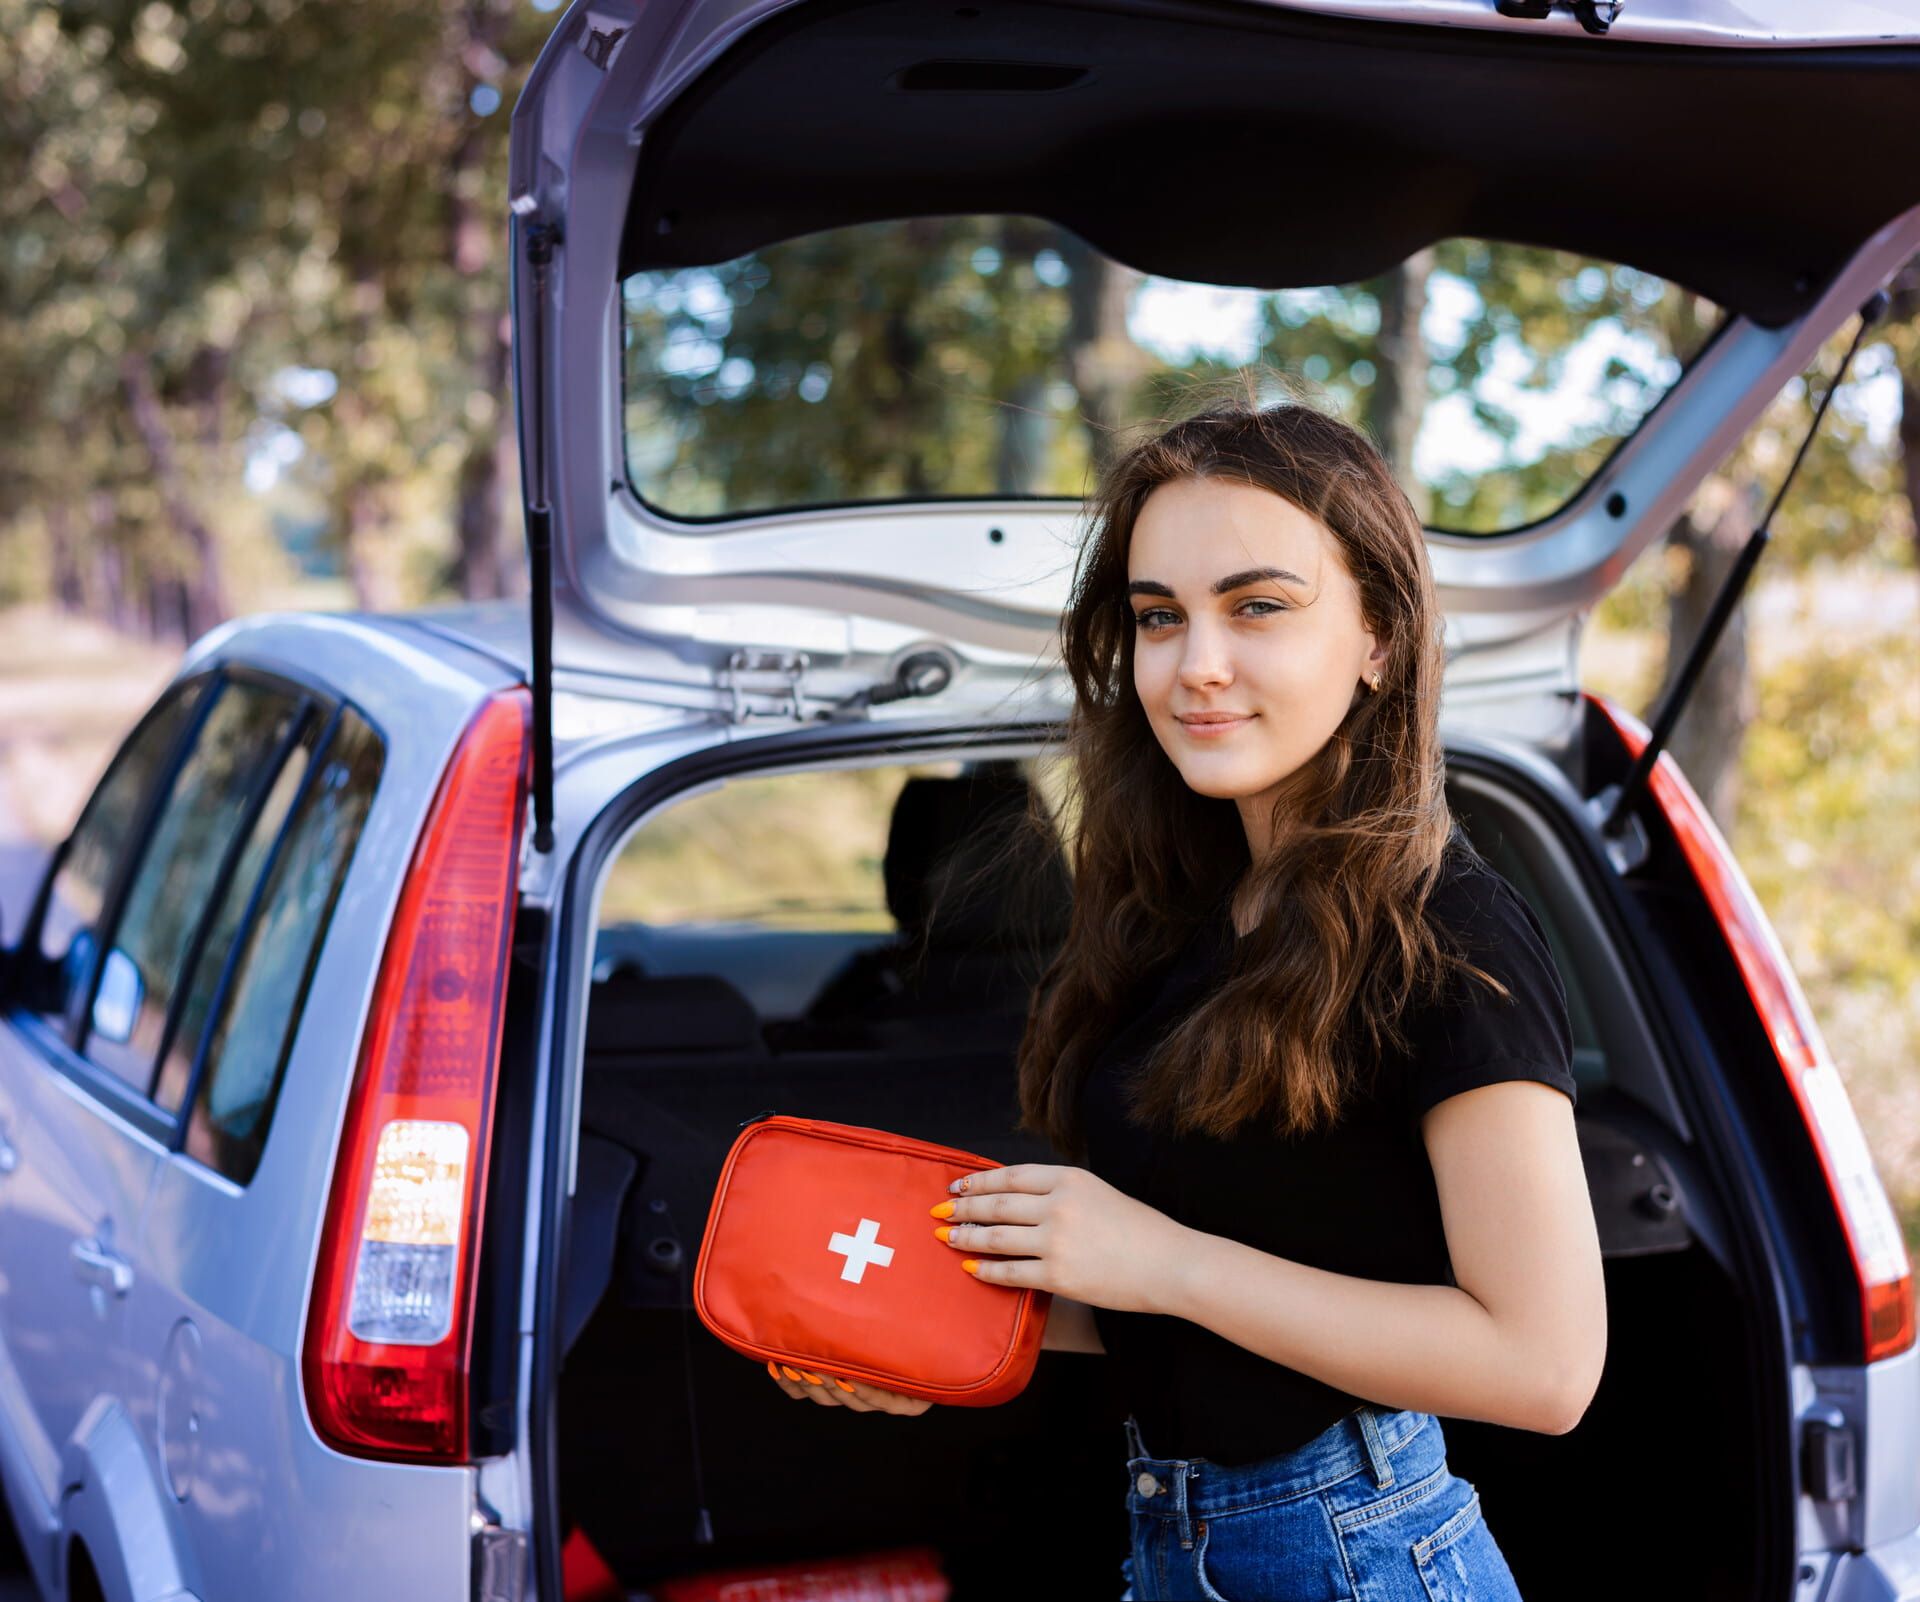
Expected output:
(860, 1249)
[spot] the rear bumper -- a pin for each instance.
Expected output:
(1889, 1572)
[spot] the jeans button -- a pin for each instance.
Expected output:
(1146, 1484)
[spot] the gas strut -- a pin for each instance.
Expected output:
(540, 238)
(1729, 596)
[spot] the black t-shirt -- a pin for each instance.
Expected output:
(1355, 1199)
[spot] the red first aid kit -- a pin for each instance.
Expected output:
(820, 1253)
(909, 1574)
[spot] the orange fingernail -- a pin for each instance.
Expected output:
(944, 1231)
(842, 1383)
(944, 1210)
(813, 1379)
(970, 1264)
(788, 1372)
(771, 1369)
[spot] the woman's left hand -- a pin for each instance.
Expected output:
(1051, 1227)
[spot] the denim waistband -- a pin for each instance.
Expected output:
(1370, 1439)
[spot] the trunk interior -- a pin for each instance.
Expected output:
(648, 1398)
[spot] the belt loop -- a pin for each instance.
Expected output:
(1184, 1508)
(1376, 1447)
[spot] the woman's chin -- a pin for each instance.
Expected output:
(1224, 781)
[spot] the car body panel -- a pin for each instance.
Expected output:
(115, 1506)
(1889, 1572)
(206, 1345)
(81, 1174)
(1880, 1402)
(243, 1482)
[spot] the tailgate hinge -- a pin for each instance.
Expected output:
(789, 667)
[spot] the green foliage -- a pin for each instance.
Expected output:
(216, 192)
(1833, 770)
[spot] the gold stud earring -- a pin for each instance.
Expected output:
(1376, 684)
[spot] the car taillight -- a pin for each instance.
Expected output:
(390, 1327)
(1879, 1253)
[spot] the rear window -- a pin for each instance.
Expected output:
(989, 357)
(271, 970)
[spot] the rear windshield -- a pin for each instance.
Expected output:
(996, 357)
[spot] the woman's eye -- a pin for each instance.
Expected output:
(1146, 619)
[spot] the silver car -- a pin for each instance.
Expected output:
(373, 1042)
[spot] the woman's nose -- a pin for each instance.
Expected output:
(1205, 659)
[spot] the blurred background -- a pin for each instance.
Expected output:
(255, 356)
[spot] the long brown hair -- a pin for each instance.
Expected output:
(1309, 997)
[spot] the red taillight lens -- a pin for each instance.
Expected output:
(390, 1326)
(1879, 1252)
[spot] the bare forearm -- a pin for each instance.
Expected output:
(1430, 1348)
(1070, 1328)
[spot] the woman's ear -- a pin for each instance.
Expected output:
(1376, 662)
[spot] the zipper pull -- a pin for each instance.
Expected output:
(756, 1118)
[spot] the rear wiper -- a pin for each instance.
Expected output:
(1723, 603)
(1596, 16)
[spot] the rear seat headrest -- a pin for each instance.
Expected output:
(941, 834)
(635, 1012)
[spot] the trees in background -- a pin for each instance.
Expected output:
(240, 223)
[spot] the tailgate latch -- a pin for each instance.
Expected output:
(1829, 1456)
(499, 1563)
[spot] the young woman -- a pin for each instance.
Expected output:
(1312, 1052)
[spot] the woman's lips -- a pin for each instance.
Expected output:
(1212, 731)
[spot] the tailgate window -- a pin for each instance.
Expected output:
(940, 358)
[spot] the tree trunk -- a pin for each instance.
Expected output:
(203, 595)
(363, 514)
(1400, 386)
(473, 242)
(480, 565)
(1707, 740)
(1106, 364)
(69, 581)
(109, 562)
(1905, 310)
(1910, 455)
(1020, 457)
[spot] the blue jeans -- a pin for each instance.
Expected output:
(1366, 1511)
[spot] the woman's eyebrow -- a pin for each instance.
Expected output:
(1233, 581)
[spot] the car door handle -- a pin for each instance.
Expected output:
(99, 1265)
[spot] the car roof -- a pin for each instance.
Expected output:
(361, 656)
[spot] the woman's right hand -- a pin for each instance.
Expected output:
(830, 1391)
